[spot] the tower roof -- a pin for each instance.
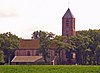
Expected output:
(68, 14)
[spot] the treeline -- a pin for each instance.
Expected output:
(87, 46)
(86, 43)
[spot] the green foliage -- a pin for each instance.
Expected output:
(49, 69)
(8, 42)
(88, 46)
(86, 43)
(45, 38)
(1, 56)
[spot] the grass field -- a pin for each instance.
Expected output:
(48, 69)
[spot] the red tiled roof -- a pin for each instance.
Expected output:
(29, 44)
(33, 44)
(26, 58)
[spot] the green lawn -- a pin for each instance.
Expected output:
(48, 69)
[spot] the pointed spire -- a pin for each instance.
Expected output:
(68, 14)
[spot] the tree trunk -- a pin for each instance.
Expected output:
(45, 59)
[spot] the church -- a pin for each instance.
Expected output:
(28, 52)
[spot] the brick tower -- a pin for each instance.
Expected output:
(68, 24)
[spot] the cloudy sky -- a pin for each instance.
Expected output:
(23, 17)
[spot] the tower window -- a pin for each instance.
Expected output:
(67, 23)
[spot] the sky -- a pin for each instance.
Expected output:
(23, 17)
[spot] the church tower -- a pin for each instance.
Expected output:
(68, 24)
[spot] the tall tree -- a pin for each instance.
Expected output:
(44, 38)
(8, 42)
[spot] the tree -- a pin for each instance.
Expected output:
(8, 42)
(91, 44)
(45, 38)
(86, 43)
(62, 43)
